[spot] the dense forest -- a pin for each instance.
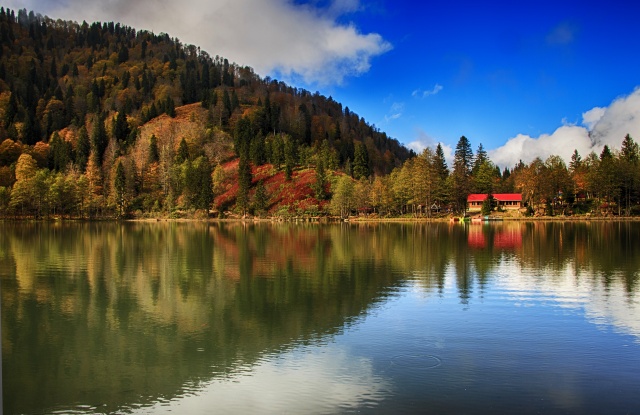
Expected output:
(101, 120)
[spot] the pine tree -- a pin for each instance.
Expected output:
(480, 158)
(318, 186)
(121, 127)
(360, 162)
(183, 152)
(461, 183)
(260, 198)
(99, 140)
(154, 154)
(83, 148)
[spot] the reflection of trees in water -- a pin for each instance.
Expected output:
(147, 307)
(123, 313)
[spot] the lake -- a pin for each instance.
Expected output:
(237, 318)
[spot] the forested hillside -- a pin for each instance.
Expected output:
(101, 120)
(95, 120)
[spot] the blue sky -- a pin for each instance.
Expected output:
(526, 80)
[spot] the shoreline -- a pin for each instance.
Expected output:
(335, 220)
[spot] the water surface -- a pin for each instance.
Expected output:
(369, 318)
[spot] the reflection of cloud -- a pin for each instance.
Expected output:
(570, 289)
(303, 381)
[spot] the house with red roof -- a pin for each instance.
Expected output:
(506, 201)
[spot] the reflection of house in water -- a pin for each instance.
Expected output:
(501, 236)
(509, 237)
(476, 238)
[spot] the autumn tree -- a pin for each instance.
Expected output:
(628, 163)
(22, 194)
(343, 197)
(557, 182)
(120, 189)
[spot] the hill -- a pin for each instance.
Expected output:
(140, 120)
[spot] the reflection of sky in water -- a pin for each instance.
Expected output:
(424, 347)
(308, 379)
(572, 289)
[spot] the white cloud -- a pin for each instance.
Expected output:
(601, 126)
(419, 93)
(590, 118)
(561, 142)
(424, 140)
(620, 118)
(395, 112)
(275, 37)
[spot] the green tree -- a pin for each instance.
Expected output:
(183, 152)
(244, 184)
(342, 199)
(360, 162)
(59, 152)
(99, 139)
(257, 150)
(121, 126)
(83, 148)
(198, 183)
(629, 173)
(22, 194)
(480, 158)
(289, 156)
(318, 186)
(485, 178)
(608, 178)
(154, 154)
(260, 199)
(461, 180)
(488, 205)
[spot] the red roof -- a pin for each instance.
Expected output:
(502, 197)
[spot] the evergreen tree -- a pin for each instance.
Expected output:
(169, 107)
(183, 152)
(461, 180)
(360, 162)
(154, 154)
(83, 148)
(244, 184)
(480, 158)
(289, 156)
(99, 140)
(628, 170)
(121, 126)
(257, 150)
(260, 199)
(318, 186)
(59, 153)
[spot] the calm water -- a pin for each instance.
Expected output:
(389, 318)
